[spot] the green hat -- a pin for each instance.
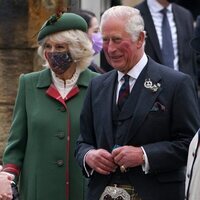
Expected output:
(62, 22)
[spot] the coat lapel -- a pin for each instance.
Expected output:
(150, 28)
(180, 32)
(146, 97)
(45, 80)
(107, 94)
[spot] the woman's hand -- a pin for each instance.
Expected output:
(5, 185)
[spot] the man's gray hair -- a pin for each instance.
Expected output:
(134, 23)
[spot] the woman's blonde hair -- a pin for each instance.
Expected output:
(80, 47)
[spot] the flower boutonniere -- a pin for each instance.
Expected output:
(150, 85)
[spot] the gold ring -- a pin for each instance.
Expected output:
(123, 169)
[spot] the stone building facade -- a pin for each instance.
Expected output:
(20, 21)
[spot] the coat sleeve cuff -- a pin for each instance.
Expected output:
(11, 168)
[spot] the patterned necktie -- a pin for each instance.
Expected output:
(167, 46)
(123, 92)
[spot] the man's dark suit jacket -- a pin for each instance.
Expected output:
(185, 30)
(163, 121)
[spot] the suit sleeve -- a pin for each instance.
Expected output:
(168, 155)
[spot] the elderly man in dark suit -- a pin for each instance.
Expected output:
(181, 27)
(137, 120)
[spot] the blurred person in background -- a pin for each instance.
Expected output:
(180, 21)
(94, 34)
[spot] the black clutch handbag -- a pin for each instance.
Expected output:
(15, 191)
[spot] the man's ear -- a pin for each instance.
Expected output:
(141, 39)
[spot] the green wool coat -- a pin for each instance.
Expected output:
(38, 137)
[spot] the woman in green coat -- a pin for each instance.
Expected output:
(45, 126)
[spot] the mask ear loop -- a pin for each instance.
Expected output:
(45, 56)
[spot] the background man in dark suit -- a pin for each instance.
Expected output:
(138, 148)
(181, 26)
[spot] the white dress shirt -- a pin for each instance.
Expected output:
(157, 17)
(133, 73)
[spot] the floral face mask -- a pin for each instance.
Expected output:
(59, 61)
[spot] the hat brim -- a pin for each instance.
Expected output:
(195, 44)
(67, 21)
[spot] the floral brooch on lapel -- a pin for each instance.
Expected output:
(150, 85)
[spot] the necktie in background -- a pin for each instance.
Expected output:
(167, 45)
(123, 92)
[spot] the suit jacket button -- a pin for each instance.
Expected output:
(188, 175)
(119, 123)
(60, 163)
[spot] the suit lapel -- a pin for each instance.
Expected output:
(150, 28)
(138, 106)
(180, 32)
(146, 97)
(107, 94)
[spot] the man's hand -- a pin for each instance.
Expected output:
(128, 156)
(101, 161)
